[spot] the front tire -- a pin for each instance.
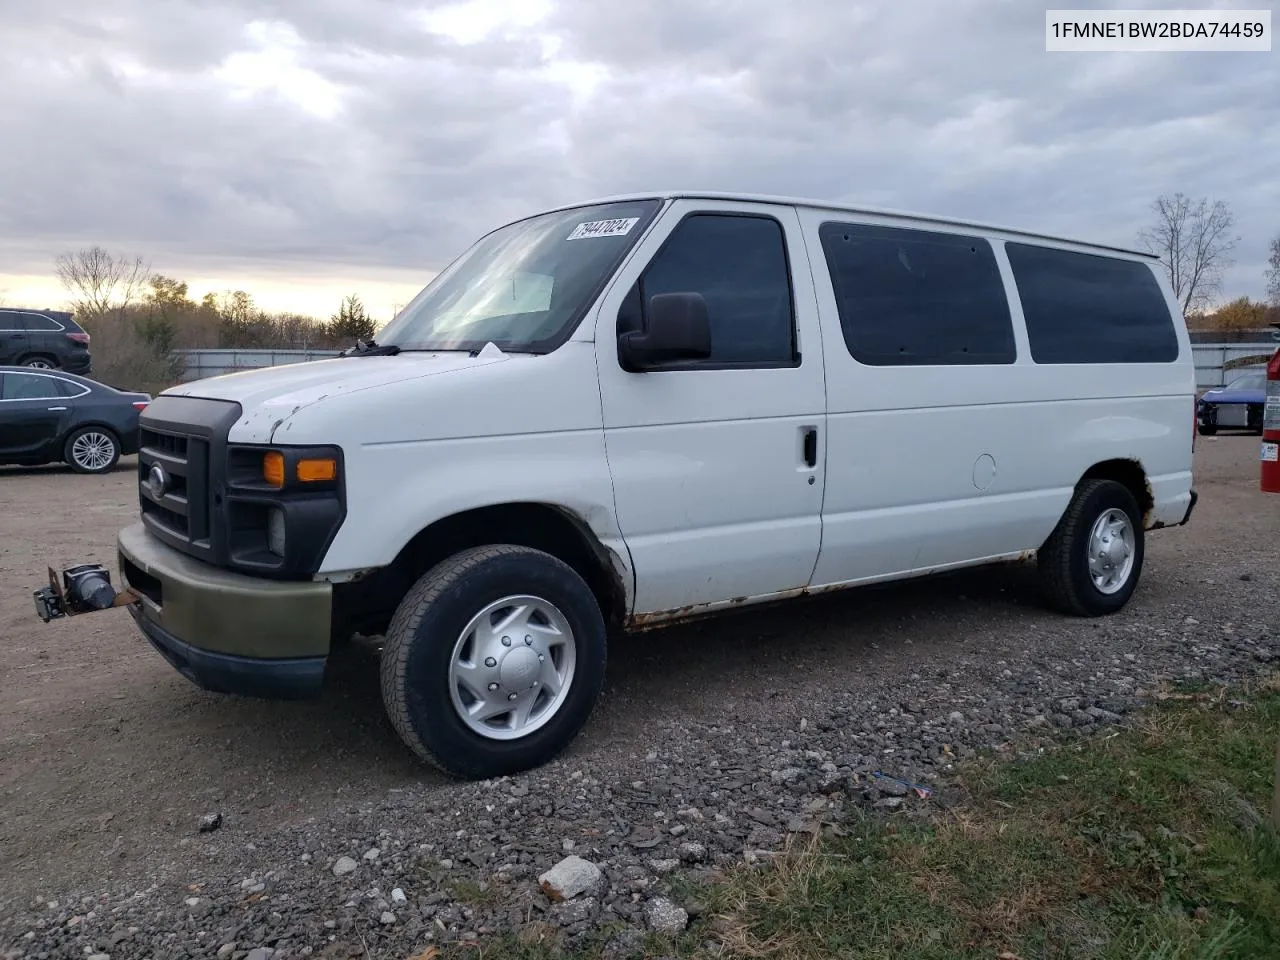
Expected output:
(91, 450)
(1091, 563)
(493, 661)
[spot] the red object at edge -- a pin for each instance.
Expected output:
(1270, 473)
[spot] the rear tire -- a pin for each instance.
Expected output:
(1207, 429)
(487, 627)
(91, 450)
(40, 363)
(1091, 563)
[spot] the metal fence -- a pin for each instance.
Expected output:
(1215, 362)
(211, 363)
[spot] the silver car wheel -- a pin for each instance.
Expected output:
(93, 451)
(1111, 551)
(512, 667)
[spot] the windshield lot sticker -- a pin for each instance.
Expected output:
(603, 228)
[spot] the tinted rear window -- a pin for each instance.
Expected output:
(1085, 308)
(916, 297)
(11, 320)
(37, 322)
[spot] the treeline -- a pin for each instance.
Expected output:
(138, 318)
(167, 317)
(1240, 314)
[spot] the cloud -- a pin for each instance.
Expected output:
(325, 136)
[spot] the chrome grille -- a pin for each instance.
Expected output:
(179, 504)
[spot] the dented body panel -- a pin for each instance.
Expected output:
(518, 430)
(272, 396)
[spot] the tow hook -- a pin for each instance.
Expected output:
(85, 588)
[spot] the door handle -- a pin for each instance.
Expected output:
(57, 408)
(811, 446)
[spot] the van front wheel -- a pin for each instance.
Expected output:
(1091, 562)
(493, 661)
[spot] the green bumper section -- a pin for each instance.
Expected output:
(222, 612)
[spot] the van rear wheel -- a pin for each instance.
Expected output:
(493, 661)
(1091, 562)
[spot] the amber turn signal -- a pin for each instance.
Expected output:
(313, 471)
(273, 469)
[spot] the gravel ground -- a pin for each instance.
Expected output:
(713, 742)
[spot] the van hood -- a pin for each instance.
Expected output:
(270, 395)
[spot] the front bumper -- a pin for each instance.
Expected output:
(294, 679)
(225, 631)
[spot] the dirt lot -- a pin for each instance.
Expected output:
(108, 758)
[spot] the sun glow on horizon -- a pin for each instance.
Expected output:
(314, 297)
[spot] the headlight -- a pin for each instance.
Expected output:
(275, 531)
(282, 507)
(305, 470)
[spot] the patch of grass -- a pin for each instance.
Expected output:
(1148, 842)
(1151, 841)
(473, 893)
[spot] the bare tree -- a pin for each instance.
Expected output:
(1193, 240)
(1273, 273)
(100, 282)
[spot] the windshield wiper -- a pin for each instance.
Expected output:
(369, 348)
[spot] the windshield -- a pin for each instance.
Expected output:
(525, 286)
(1254, 381)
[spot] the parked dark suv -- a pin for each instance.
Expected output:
(44, 339)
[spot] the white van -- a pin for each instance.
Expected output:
(643, 409)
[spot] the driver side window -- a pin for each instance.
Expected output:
(738, 263)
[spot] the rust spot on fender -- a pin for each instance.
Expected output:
(640, 622)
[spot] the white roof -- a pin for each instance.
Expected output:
(850, 208)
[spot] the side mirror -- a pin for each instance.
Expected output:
(679, 328)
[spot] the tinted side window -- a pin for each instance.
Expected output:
(26, 386)
(1086, 308)
(11, 320)
(38, 323)
(739, 265)
(914, 297)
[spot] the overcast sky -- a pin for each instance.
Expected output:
(303, 148)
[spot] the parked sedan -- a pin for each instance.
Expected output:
(1238, 404)
(54, 416)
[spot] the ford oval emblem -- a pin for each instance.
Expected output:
(157, 481)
